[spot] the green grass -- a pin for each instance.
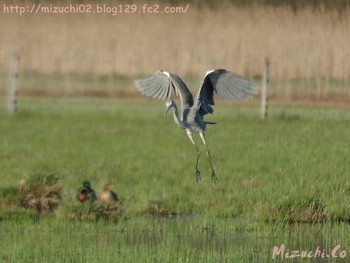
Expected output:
(292, 168)
(299, 153)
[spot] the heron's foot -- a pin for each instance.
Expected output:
(198, 176)
(213, 176)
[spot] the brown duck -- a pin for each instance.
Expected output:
(107, 195)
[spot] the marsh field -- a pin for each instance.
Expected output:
(283, 183)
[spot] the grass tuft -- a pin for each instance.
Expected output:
(158, 208)
(106, 212)
(40, 192)
(296, 209)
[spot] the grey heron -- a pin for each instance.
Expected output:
(226, 84)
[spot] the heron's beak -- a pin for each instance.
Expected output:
(166, 110)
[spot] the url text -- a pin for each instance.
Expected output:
(94, 9)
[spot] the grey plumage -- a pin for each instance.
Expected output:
(225, 84)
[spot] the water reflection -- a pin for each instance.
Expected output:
(177, 239)
(255, 242)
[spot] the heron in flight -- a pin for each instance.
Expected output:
(226, 84)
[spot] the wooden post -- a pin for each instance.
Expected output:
(264, 96)
(12, 88)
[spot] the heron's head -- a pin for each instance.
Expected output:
(168, 106)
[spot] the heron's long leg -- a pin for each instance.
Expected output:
(190, 135)
(213, 175)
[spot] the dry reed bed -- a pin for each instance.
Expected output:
(303, 45)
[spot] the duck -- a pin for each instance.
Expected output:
(86, 193)
(107, 195)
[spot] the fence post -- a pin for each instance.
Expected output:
(12, 86)
(264, 96)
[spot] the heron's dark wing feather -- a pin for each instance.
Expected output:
(160, 85)
(227, 85)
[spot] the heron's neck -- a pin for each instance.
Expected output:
(176, 117)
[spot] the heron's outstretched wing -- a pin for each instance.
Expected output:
(227, 85)
(160, 84)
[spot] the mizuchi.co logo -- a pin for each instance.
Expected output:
(282, 252)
